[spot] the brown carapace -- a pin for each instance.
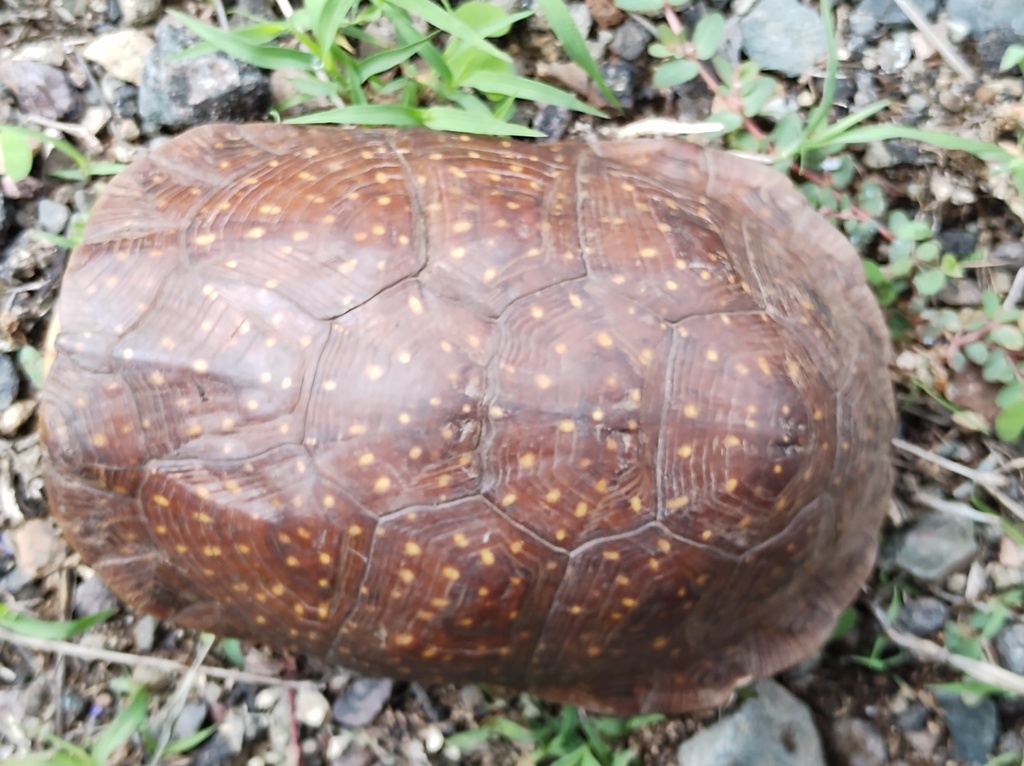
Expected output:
(607, 422)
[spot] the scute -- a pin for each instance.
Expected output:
(605, 422)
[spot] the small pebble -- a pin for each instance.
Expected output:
(52, 216)
(361, 701)
(858, 743)
(311, 707)
(621, 77)
(9, 382)
(923, 616)
(630, 41)
(191, 719)
(1010, 645)
(92, 596)
(144, 633)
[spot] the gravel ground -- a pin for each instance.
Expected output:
(104, 74)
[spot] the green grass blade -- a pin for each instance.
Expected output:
(387, 59)
(372, 114)
(408, 35)
(450, 23)
(58, 631)
(557, 14)
(523, 88)
(329, 20)
(452, 119)
(264, 57)
(125, 723)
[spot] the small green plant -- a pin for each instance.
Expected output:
(1013, 57)
(570, 738)
(465, 84)
(17, 156)
(130, 721)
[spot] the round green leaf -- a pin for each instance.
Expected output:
(707, 35)
(1010, 422)
(673, 73)
(929, 282)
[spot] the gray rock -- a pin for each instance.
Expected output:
(987, 15)
(135, 13)
(923, 616)
(361, 701)
(92, 596)
(630, 40)
(52, 216)
(184, 92)
(9, 382)
(41, 89)
(973, 729)
(858, 743)
(913, 718)
(773, 729)
(1010, 645)
(887, 12)
(783, 36)
(191, 719)
(936, 546)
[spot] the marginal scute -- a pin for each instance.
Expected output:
(606, 422)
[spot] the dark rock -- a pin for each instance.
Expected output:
(178, 93)
(552, 121)
(361, 701)
(990, 47)
(72, 704)
(958, 242)
(621, 77)
(41, 89)
(913, 718)
(973, 729)
(923, 616)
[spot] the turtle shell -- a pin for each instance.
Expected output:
(607, 422)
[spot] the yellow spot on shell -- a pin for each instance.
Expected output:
(404, 639)
(406, 575)
(383, 484)
(487, 557)
(415, 304)
(731, 484)
(678, 502)
(690, 411)
(450, 573)
(528, 460)
(611, 555)
(162, 501)
(685, 451)
(605, 340)
(412, 549)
